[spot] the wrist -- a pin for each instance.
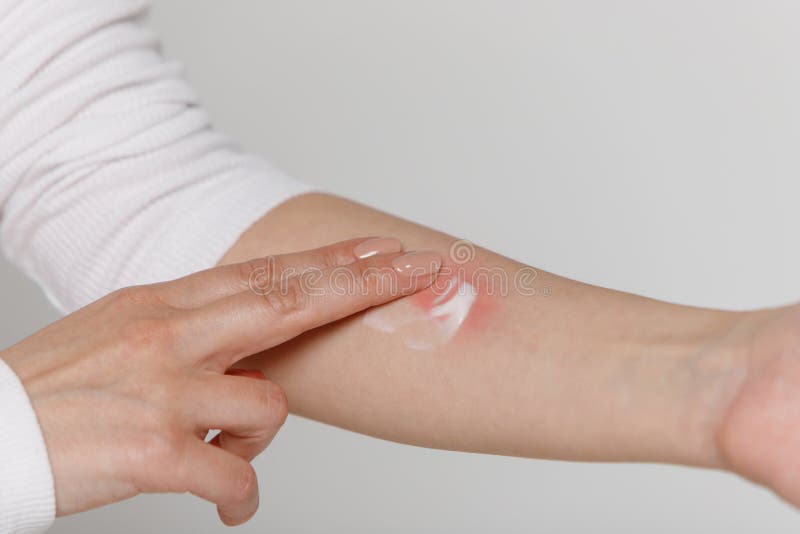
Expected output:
(758, 428)
(677, 376)
(736, 373)
(717, 366)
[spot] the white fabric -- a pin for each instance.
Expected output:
(27, 500)
(110, 176)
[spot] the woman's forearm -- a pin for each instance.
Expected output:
(548, 367)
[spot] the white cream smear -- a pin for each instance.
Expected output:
(425, 329)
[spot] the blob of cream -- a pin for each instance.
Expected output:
(425, 327)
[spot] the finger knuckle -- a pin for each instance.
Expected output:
(261, 402)
(269, 406)
(261, 274)
(149, 333)
(158, 449)
(277, 405)
(334, 256)
(134, 296)
(245, 484)
(286, 298)
(157, 386)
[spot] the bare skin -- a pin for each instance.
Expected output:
(126, 389)
(574, 372)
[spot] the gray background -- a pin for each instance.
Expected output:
(646, 146)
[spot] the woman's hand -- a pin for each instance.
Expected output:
(126, 388)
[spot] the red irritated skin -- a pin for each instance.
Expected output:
(460, 298)
(446, 287)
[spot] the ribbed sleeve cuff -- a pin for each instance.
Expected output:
(206, 224)
(27, 495)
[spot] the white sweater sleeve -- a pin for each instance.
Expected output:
(110, 175)
(27, 500)
(110, 172)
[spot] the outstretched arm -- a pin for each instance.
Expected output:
(553, 368)
(570, 371)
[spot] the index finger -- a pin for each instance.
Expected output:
(250, 322)
(201, 288)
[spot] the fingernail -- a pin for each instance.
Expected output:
(416, 264)
(377, 245)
